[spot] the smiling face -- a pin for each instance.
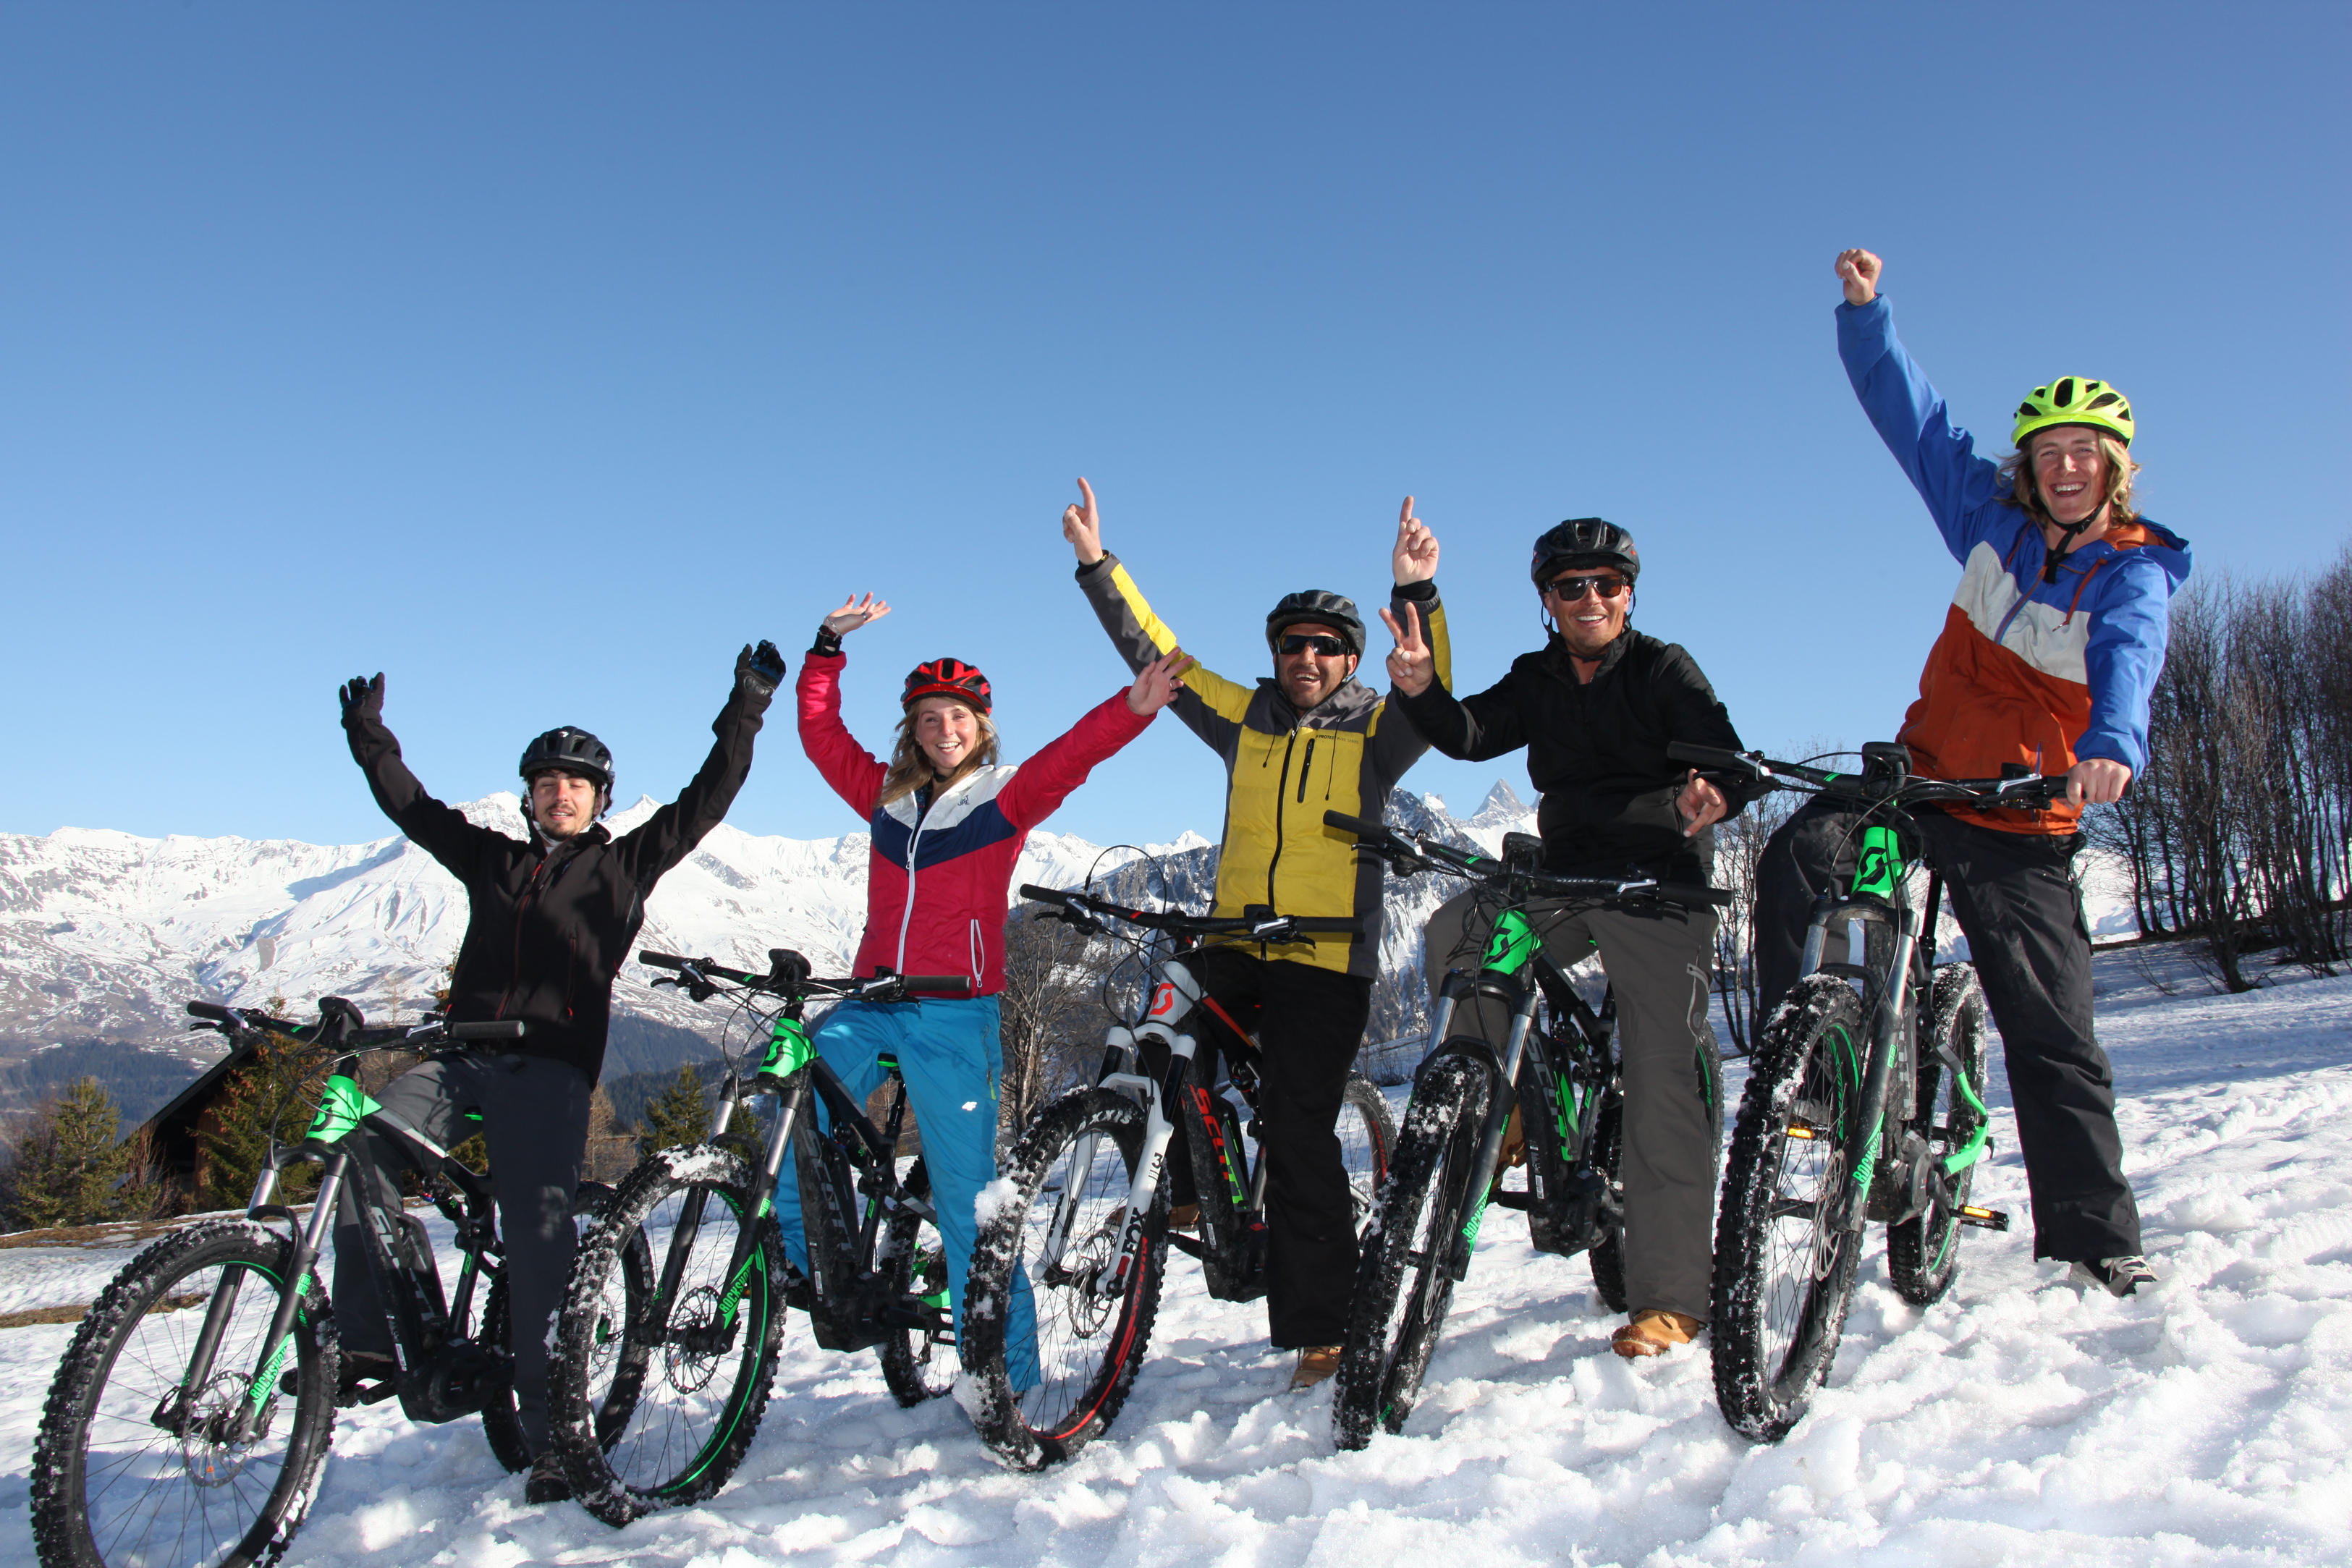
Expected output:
(1589, 623)
(561, 803)
(1307, 677)
(2070, 470)
(948, 731)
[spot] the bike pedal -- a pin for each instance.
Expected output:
(1984, 1218)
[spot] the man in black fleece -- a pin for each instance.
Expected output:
(551, 922)
(1596, 708)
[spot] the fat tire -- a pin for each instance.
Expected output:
(1923, 1253)
(62, 1537)
(915, 1367)
(1421, 1205)
(1364, 1099)
(585, 1433)
(1083, 1407)
(501, 1423)
(1810, 1051)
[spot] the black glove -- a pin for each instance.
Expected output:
(362, 698)
(828, 641)
(761, 669)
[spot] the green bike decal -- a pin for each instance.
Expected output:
(340, 1110)
(1881, 866)
(1477, 1217)
(267, 1384)
(1513, 943)
(1970, 1152)
(789, 1048)
(1564, 1119)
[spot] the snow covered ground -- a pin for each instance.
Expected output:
(2017, 1422)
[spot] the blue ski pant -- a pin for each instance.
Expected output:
(950, 1053)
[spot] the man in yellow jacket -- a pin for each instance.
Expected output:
(1306, 741)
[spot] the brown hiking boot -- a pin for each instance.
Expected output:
(1316, 1365)
(1653, 1331)
(1515, 1146)
(1184, 1216)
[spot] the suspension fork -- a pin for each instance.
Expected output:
(1887, 1041)
(279, 1342)
(1490, 1138)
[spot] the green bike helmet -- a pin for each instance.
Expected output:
(2070, 400)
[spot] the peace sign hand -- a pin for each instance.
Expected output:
(1415, 559)
(1411, 663)
(853, 614)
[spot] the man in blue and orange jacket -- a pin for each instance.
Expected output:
(2047, 659)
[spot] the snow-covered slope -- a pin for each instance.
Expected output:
(2017, 1422)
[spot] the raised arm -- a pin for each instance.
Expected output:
(1413, 610)
(855, 773)
(1937, 456)
(669, 835)
(1211, 705)
(1472, 728)
(1045, 780)
(441, 831)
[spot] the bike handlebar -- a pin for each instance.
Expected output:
(1261, 923)
(1426, 854)
(788, 976)
(357, 1035)
(2026, 792)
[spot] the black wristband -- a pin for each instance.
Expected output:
(827, 643)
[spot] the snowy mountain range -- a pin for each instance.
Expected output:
(104, 935)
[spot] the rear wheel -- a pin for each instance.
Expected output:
(1404, 1281)
(129, 1470)
(1784, 1266)
(918, 1359)
(660, 1411)
(1923, 1253)
(1051, 1229)
(501, 1424)
(1367, 1138)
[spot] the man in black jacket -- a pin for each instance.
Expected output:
(551, 922)
(1596, 708)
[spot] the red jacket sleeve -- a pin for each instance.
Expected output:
(1045, 780)
(853, 772)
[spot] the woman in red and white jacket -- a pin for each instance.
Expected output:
(948, 822)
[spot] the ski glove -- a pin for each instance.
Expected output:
(363, 699)
(761, 669)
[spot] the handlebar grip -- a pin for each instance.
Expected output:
(1709, 757)
(1359, 826)
(502, 1028)
(662, 961)
(1326, 922)
(961, 985)
(1036, 894)
(1697, 897)
(211, 1010)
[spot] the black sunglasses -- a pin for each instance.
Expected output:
(1572, 588)
(1300, 643)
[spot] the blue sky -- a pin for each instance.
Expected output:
(541, 356)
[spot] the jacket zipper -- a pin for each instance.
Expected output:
(907, 918)
(1276, 859)
(1306, 766)
(522, 907)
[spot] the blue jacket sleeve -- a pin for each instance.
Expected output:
(2123, 658)
(1963, 491)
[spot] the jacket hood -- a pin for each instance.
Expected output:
(2168, 549)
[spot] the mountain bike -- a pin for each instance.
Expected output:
(185, 1436)
(1080, 1217)
(1560, 1083)
(1865, 1098)
(690, 1373)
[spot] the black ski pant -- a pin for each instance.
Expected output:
(535, 1117)
(1309, 1024)
(1661, 964)
(2019, 906)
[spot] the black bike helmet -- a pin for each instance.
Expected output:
(1583, 541)
(1317, 607)
(573, 751)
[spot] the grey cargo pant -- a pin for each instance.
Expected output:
(1661, 964)
(535, 1117)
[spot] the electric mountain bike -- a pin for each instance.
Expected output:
(1560, 1083)
(194, 1409)
(1865, 1098)
(690, 1372)
(1081, 1218)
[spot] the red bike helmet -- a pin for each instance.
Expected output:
(946, 678)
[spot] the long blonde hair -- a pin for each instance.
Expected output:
(910, 766)
(2017, 468)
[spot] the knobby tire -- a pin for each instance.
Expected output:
(917, 1363)
(1923, 1253)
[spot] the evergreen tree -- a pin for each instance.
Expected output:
(677, 1116)
(69, 1169)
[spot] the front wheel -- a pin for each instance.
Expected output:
(132, 1468)
(919, 1355)
(1404, 1279)
(1784, 1259)
(1923, 1253)
(655, 1408)
(1051, 1229)
(1367, 1140)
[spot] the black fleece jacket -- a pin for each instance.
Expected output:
(1597, 751)
(551, 924)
